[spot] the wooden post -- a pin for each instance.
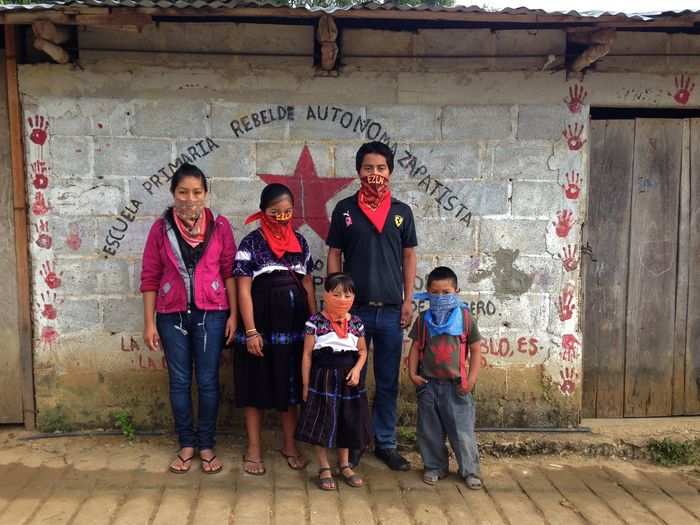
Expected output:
(19, 197)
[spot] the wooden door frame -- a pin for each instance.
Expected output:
(24, 315)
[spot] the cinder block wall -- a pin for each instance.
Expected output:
(491, 154)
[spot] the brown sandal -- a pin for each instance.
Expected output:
(184, 463)
(253, 462)
(300, 461)
(209, 462)
(354, 480)
(326, 483)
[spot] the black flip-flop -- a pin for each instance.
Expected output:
(300, 460)
(254, 462)
(184, 461)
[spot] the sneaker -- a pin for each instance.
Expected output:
(473, 482)
(392, 458)
(431, 477)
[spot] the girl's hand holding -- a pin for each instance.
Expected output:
(231, 325)
(254, 345)
(353, 377)
(418, 380)
(151, 338)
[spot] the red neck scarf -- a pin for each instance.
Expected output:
(374, 199)
(192, 234)
(280, 236)
(336, 309)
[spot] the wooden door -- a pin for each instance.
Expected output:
(10, 364)
(641, 293)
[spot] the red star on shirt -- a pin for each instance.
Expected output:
(311, 193)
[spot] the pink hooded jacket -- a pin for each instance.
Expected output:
(164, 271)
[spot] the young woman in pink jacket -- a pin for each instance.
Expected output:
(189, 300)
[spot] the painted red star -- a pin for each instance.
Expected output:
(311, 193)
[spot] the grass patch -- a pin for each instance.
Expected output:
(124, 422)
(406, 437)
(54, 420)
(669, 452)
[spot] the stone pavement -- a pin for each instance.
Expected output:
(105, 480)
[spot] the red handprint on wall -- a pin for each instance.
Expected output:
(683, 89)
(48, 306)
(49, 336)
(564, 222)
(568, 258)
(572, 188)
(39, 175)
(568, 381)
(73, 239)
(43, 240)
(577, 95)
(566, 304)
(48, 273)
(569, 344)
(40, 206)
(39, 125)
(573, 136)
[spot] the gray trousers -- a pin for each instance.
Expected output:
(445, 412)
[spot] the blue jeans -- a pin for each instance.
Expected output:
(196, 337)
(383, 330)
(443, 411)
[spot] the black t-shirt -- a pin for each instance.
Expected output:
(373, 259)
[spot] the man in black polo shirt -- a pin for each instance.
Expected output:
(375, 236)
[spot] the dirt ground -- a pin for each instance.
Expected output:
(106, 480)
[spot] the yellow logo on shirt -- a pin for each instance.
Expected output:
(398, 220)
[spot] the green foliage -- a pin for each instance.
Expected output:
(54, 420)
(406, 437)
(124, 422)
(668, 452)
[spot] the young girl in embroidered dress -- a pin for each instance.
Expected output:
(335, 413)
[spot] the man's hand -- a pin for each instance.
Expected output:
(418, 380)
(406, 313)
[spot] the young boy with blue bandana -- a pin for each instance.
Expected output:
(444, 364)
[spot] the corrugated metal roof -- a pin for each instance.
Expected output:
(60, 5)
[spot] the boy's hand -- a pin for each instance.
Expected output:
(353, 377)
(305, 392)
(471, 381)
(418, 380)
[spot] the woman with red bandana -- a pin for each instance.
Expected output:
(275, 292)
(336, 413)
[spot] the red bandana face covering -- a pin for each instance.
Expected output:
(374, 199)
(278, 232)
(336, 309)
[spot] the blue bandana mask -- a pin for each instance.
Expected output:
(444, 313)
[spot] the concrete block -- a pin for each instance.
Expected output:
(131, 157)
(71, 235)
(69, 157)
(86, 116)
(153, 200)
(344, 160)
(86, 197)
(423, 205)
(235, 198)
(327, 122)
(527, 313)
(521, 160)
(547, 273)
(76, 315)
(371, 42)
(473, 123)
(231, 160)
(122, 315)
(134, 238)
(80, 277)
(543, 122)
(530, 42)
(482, 197)
(407, 123)
(537, 199)
(528, 236)
(444, 160)
(271, 122)
(282, 159)
(170, 118)
(454, 42)
(446, 236)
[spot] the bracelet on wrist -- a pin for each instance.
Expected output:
(251, 331)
